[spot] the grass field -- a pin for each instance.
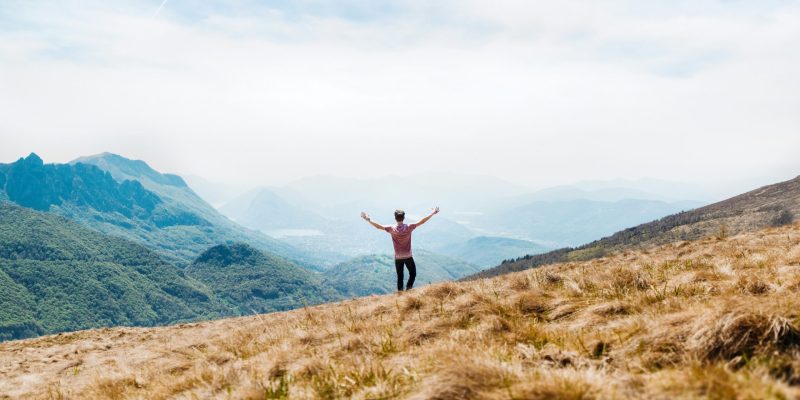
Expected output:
(716, 318)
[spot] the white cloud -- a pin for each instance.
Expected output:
(531, 91)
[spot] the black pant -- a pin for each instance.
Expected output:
(412, 272)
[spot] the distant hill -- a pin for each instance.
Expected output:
(56, 276)
(375, 274)
(487, 251)
(250, 281)
(773, 205)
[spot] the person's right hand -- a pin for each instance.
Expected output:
(365, 216)
(435, 210)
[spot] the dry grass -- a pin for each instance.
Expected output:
(717, 318)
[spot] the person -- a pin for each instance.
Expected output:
(401, 239)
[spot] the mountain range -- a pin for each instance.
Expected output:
(319, 214)
(203, 225)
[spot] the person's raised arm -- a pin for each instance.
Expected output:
(371, 222)
(424, 220)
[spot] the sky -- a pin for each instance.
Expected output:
(535, 92)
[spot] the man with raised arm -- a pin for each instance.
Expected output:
(401, 238)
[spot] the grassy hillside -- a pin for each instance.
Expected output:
(58, 276)
(715, 318)
(249, 281)
(774, 205)
(376, 274)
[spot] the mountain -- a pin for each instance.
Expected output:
(375, 274)
(711, 319)
(250, 281)
(182, 224)
(319, 214)
(487, 251)
(333, 235)
(31, 183)
(57, 276)
(772, 205)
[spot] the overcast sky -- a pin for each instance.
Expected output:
(533, 92)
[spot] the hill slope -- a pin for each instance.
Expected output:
(58, 276)
(707, 319)
(773, 205)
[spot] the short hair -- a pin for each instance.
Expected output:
(399, 215)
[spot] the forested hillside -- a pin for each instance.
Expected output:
(249, 281)
(56, 275)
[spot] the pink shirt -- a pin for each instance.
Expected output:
(401, 239)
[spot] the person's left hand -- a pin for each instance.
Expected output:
(435, 210)
(365, 215)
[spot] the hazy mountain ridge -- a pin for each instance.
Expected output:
(771, 205)
(319, 213)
